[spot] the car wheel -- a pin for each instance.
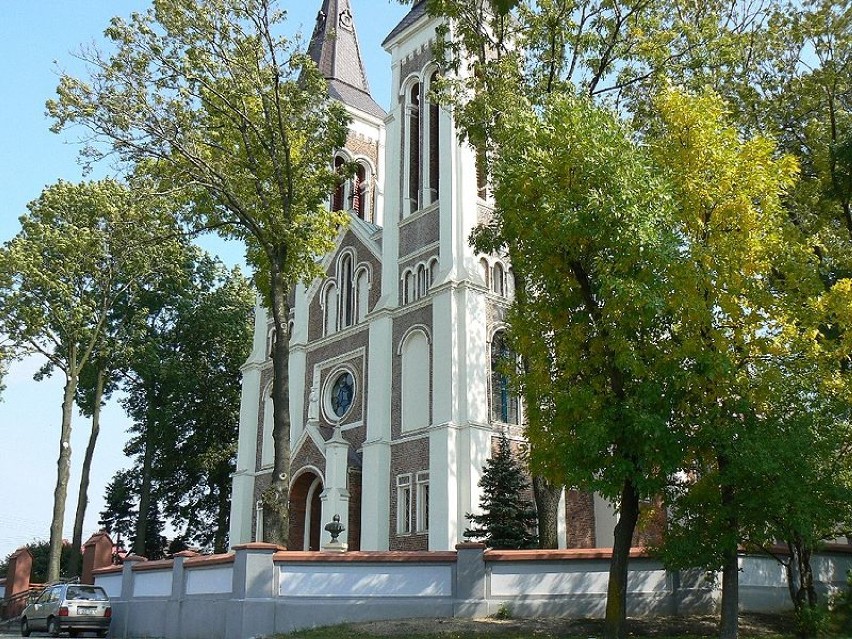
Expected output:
(53, 628)
(25, 627)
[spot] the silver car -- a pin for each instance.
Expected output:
(72, 607)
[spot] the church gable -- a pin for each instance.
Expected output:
(351, 287)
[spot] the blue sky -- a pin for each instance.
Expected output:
(37, 41)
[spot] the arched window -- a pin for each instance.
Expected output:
(481, 174)
(330, 301)
(433, 161)
(415, 380)
(362, 285)
(267, 447)
(409, 289)
(485, 272)
(433, 272)
(498, 283)
(504, 402)
(270, 341)
(413, 151)
(338, 201)
(421, 281)
(347, 291)
(358, 197)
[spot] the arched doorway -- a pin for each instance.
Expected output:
(306, 512)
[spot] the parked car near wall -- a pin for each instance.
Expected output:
(71, 607)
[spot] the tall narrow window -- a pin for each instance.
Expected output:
(481, 175)
(338, 201)
(421, 281)
(359, 188)
(422, 502)
(362, 284)
(499, 285)
(403, 504)
(347, 292)
(410, 288)
(416, 366)
(414, 148)
(434, 142)
(331, 310)
(504, 402)
(433, 273)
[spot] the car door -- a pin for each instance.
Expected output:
(41, 608)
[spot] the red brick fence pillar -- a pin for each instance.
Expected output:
(97, 553)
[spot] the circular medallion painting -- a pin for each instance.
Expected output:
(342, 394)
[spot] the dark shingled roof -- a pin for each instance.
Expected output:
(334, 48)
(417, 12)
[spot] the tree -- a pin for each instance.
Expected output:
(208, 99)
(182, 391)
(81, 250)
(735, 323)
(119, 515)
(511, 61)
(508, 518)
(586, 225)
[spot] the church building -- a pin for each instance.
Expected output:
(395, 399)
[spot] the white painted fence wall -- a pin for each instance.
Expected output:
(259, 590)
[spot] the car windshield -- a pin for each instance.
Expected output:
(89, 593)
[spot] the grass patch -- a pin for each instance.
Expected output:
(751, 627)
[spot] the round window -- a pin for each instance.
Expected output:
(342, 394)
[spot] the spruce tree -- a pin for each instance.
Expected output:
(508, 520)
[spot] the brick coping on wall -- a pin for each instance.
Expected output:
(560, 555)
(192, 560)
(395, 556)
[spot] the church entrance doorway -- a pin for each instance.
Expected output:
(306, 512)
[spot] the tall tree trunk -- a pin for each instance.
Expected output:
(63, 472)
(615, 624)
(83, 495)
(547, 498)
(145, 487)
(276, 498)
(729, 628)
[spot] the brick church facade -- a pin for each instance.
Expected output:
(395, 401)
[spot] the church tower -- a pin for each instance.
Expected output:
(328, 328)
(397, 396)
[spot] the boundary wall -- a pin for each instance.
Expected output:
(259, 590)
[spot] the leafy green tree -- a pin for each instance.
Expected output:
(215, 105)
(119, 515)
(508, 519)
(733, 313)
(82, 250)
(182, 391)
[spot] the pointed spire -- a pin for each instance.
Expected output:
(334, 48)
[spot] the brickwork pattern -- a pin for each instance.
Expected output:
(410, 456)
(421, 231)
(265, 380)
(580, 519)
(363, 256)
(354, 533)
